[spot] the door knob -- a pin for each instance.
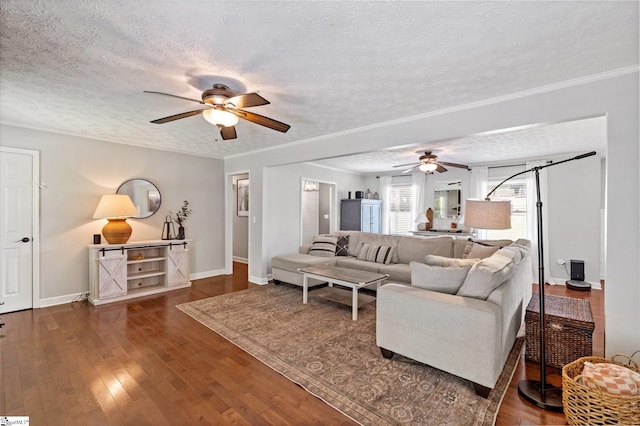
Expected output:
(24, 240)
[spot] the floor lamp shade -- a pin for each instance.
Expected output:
(116, 209)
(485, 214)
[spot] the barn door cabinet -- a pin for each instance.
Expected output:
(361, 214)
(124, 271)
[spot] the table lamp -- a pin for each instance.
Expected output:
(116, 209)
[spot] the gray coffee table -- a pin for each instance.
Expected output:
(352, 278)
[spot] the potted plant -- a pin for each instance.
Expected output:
(181, 217)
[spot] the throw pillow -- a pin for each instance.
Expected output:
(438, 278)
(485, 276)
(378, 254)
(323, 245)
(611, 378)
(342, 246)
(433, 260)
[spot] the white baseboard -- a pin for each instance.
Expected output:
(258, 280)
(240, 260)
(61, 300)
(207, 274)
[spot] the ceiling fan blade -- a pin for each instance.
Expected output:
(440, 169)
(261, 120)
(227, 132)
(247, 100)
(462, 166)
(411, 169)
(408, 164)
(175, 96)
(177, 116)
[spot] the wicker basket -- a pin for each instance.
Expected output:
(568, 329)
(586, 406)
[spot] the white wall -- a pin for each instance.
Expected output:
(283, 203)
(78, 171)
(615, 95)
(573, 219)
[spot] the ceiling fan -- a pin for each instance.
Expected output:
(223, 110)
(429, 163)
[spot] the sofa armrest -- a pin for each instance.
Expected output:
(445, 331)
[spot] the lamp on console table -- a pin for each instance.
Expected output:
(116, 209)
(422, 222)
(487, 214)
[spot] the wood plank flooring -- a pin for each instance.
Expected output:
(144, 362)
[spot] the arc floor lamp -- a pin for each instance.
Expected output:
(487, 214)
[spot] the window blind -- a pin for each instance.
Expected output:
(400, 209)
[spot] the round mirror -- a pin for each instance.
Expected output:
(144, 195)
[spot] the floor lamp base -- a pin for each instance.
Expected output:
(531, 391)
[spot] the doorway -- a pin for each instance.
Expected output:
(317, 209)
(19, 233)
(240, 218)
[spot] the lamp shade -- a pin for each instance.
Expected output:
(422, 218)
(486, 214)
(115, 206)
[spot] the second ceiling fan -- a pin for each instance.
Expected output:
(429, 163)
(223, 110)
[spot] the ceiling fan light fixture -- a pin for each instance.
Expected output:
(428, 167)
(220, 118)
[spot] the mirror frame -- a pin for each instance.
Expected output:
(436, 189)
(152, 201)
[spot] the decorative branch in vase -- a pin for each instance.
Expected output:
(181, 217)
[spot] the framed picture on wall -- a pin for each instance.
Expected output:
(243, 197)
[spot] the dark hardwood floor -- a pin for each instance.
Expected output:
(145, 362)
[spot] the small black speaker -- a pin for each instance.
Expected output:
(97, 238)
(577, 270)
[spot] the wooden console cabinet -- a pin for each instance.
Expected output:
(124, 271)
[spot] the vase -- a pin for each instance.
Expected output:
(180, 233)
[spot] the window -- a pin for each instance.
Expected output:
(400, 220)
(516, 191)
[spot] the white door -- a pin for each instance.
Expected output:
(17, 230)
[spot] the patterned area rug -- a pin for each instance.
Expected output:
(319, 347)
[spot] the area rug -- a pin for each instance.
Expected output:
(319, 347)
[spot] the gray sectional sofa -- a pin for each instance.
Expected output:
(454, 304)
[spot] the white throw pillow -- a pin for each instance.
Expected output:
(324, 245)
(433, 260)
(487, 275)
(438, 278)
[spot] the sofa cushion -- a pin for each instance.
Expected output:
(323, 245)
(434, 260)
(292, 262)
(438, 278)
(342, 246)
(478, 251)
(375, 253)
(487, 275)
(458, 247)
(398, 272)
(361, 265)
(416, 248)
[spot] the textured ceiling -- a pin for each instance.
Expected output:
(80, 67)
(542, 141)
